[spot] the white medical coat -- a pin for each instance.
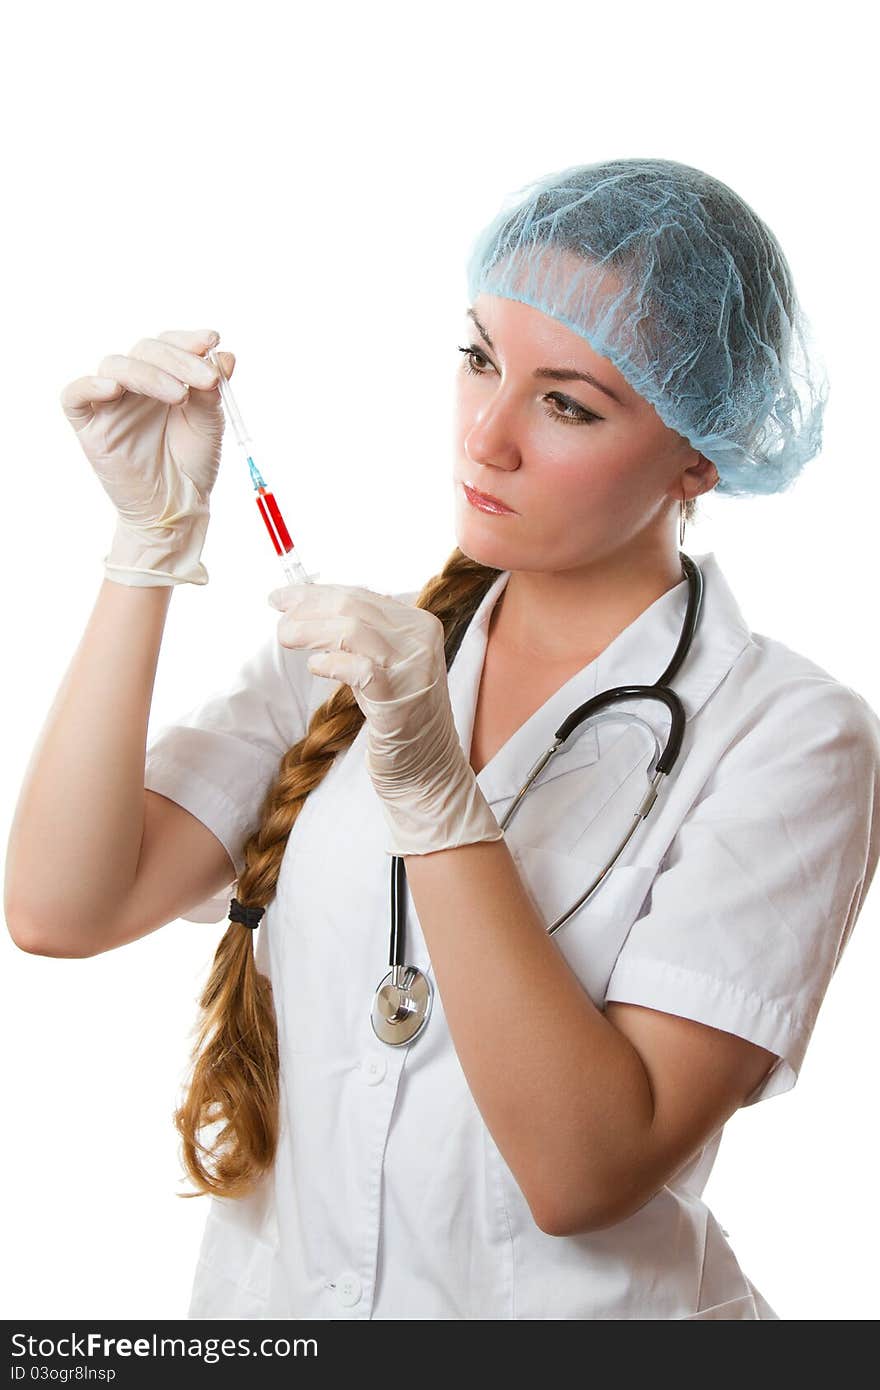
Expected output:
(731, 905)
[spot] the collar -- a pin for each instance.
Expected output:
(637, 655)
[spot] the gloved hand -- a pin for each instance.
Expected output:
(155, 446)
(429, 791)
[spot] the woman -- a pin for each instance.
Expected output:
(538, 1146)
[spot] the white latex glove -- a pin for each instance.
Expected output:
(429, 791)
(155, 446)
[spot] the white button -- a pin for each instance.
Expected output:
(348, 1288)
(373, 1068)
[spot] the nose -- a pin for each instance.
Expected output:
(490, 435)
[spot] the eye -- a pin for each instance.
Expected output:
(469, 354)
(579, 416)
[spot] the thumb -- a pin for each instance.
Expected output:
(208, 398)
(227, 362)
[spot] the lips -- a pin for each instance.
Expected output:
(486, 497)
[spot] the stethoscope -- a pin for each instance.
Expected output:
(402, 1002)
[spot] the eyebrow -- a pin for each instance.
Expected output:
(550, 373)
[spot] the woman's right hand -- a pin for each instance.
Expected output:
(151, 425)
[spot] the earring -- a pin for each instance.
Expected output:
(681, 522)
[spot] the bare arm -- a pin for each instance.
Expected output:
(592, 1116)
(76, 835)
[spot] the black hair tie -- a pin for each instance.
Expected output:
(247, 916)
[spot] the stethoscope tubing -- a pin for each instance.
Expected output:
(665, 762)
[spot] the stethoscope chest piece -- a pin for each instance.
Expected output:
(400, 1010)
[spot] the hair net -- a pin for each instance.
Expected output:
(670, 275)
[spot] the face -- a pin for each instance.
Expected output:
(586, 473)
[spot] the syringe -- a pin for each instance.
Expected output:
(269, 509)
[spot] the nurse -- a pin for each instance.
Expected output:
(538, 1148)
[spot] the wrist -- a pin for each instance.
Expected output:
(153, 555)
(437, 813)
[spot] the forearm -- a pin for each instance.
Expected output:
(76, 835)
(563, 1093)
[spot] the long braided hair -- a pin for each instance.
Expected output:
(234, 1082)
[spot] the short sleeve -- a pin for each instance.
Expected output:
(219, 759)
(765, 878)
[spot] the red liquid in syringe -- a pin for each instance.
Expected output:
(277, 528)
(274, 521)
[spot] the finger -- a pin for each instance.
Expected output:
(312, 600)
(343, 633)
(390, 633)
(198, 340)
(177, 362)
(143, 378)
(352, 670)
(78, 396)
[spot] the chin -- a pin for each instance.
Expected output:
(483, 551)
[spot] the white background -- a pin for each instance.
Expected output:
(308, 181)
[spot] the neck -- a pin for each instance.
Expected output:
(572, 615)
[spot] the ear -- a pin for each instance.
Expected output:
(700, 477)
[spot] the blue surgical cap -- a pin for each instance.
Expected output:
(672, 277)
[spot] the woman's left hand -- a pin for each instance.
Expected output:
(414, 756)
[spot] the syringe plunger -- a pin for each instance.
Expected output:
(232, 410)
